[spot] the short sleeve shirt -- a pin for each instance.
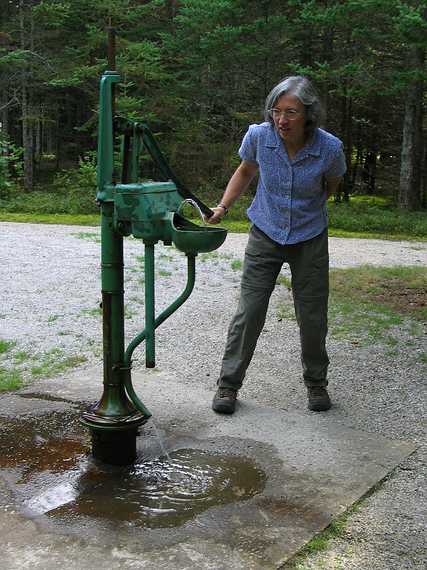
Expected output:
(290, 201)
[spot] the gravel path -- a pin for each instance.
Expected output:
(49, 306)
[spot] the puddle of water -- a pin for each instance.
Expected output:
(163, 492)
(57, 477)
(53, 442)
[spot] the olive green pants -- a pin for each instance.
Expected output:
(309, 265)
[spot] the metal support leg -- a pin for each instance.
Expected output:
(150, 357)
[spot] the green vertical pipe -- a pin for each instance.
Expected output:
(150, 357)
(105, 166)
(114, 401)
(112, 296)
(191, 276)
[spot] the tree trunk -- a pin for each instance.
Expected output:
(27, 127)
(4, 129)
(359, 155)
(412, 141)
(327, 57)
(424, 175)
(347, 130)
(38, 136)
(172, 7)
(27, 140)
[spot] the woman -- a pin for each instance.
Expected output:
(299, 166)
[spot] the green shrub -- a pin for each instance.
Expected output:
(10, 167)
(73, 191)
(78, 187)
(363, 215)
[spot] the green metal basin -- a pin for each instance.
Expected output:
(193, 239)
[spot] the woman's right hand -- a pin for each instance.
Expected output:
(218, 214)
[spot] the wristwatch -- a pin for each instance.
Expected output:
(220, 205)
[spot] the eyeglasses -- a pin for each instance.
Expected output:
(290, 114)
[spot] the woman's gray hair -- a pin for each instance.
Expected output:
(302, 88)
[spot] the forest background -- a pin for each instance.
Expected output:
(198, 72)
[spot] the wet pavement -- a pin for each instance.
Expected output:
(51, 472)
(206, 491)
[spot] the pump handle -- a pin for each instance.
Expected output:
(153, 148)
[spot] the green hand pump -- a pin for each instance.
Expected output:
(149, 211)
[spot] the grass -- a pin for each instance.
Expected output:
(6, 345)
(367, 302)
(286, 311)
(21, 356)
(94, 312)
(283, 280)
(214, 255)
(397, 289)
(10, 379)
(54, 362)
(360, 309)
(63, 219)
(320, 542)
(375, 215)
(128, 313)
(88, 236)
(361, 217)
(363, 323)
(335, 530)
(166, 257)
(53, 318)
(44, 365)
(208, 256)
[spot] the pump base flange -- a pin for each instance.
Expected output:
(98, 422)
(114, 437)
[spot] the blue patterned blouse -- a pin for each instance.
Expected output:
(290, 201)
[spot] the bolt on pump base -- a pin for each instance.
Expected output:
(149, 211)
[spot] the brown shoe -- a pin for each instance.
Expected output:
(318, 399)
(224, 401)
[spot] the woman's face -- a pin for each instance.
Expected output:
(289, 119)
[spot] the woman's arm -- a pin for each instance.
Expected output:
(238, 183)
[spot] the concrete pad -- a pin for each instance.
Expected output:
(314, 470)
